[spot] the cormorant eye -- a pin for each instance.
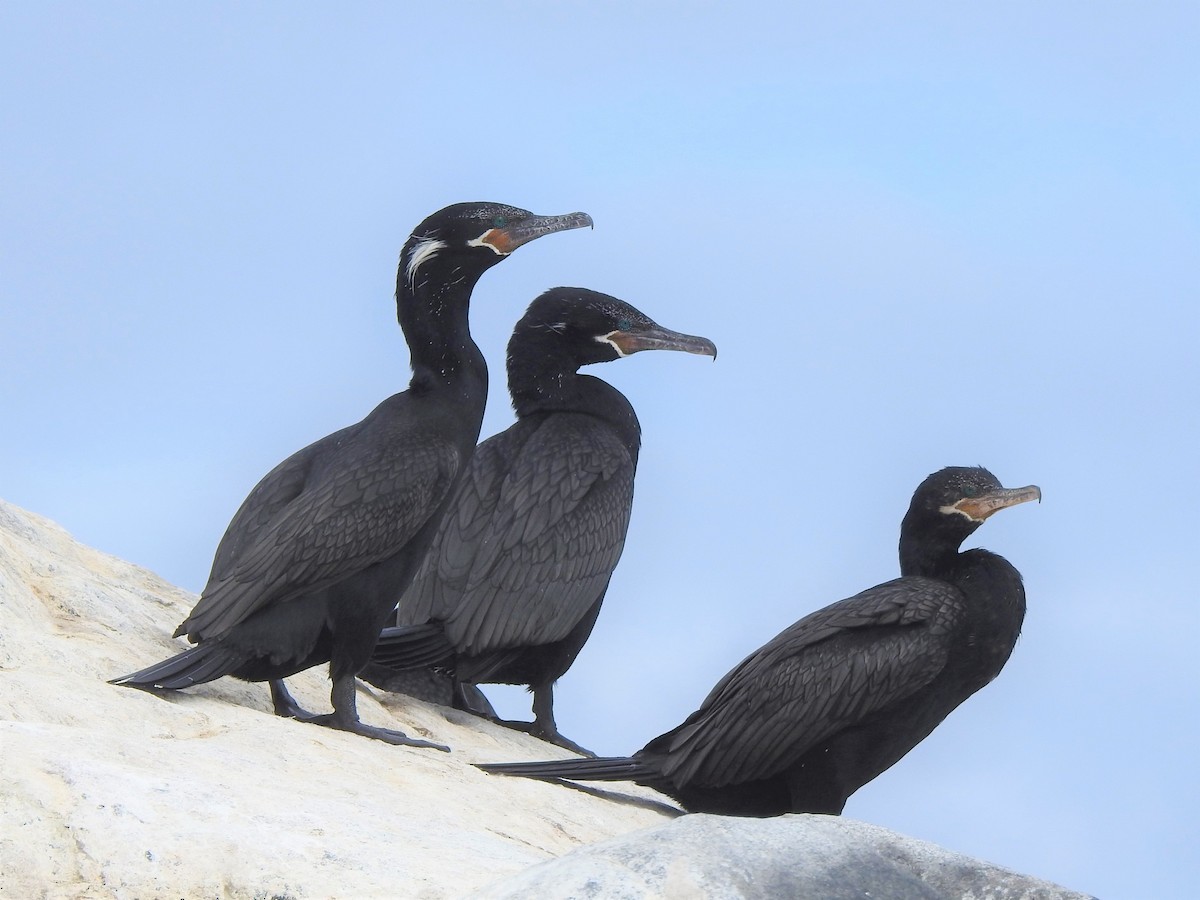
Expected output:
(969, 490)
(499, 221)
(624, 324)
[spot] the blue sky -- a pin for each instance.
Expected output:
(921, 236)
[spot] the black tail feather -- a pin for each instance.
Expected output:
(412, 647)
(204, 662)
(604, 768)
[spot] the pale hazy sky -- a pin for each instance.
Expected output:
(920, 235)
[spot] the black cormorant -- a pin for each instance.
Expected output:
(844, 693)
(312, 563)
(522, 559)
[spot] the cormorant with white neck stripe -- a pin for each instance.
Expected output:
(522, 560)
(312, 564)
(844, 693)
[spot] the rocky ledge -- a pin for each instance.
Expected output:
(111, 792)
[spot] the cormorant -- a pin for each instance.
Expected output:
(844, 693)
(312, 563)
(521, 561)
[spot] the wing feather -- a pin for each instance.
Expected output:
(331, 510)
(831, 668)
(537, 528)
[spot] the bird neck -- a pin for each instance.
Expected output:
(986, 578)
(560, 388)
(921, 556)
(434, 318)
(543, 375)
(930, 540)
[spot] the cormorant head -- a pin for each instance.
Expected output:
(950, 504)
(459, 243)
(593, 327)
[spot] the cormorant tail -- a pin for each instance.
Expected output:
(604, 768)
(412, 647)
(204, 662)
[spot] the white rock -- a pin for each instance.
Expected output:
(799, 856)
(115, 792)
(112, 792)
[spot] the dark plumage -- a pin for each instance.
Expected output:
(520, 564)
(311, 565)
(840, 696)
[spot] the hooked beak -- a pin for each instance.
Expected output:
(979, 508)
(507, 239)
(628, 342)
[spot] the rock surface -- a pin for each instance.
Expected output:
(112, 792)
(801, 856)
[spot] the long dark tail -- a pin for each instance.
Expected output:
(412, 647)
(604, 768)
(204, 662)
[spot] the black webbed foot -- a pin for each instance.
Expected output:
(387, 735)
(550, 736)
(345, 718)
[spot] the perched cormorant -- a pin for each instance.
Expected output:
(522, 559)
(843, 694)
(312, 563)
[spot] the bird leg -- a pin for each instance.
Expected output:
(470, 698)
(285, 703)
(543, 720)
(543, 725)
(345, 718)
